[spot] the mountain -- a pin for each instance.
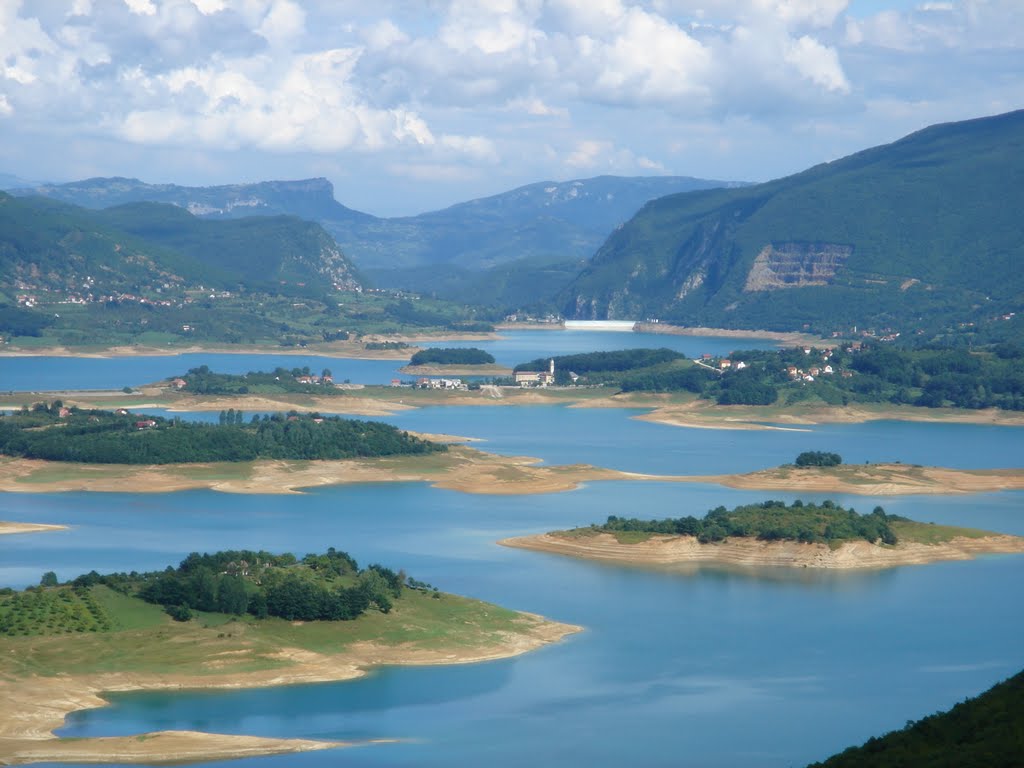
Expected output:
(549, 226)
(9, 181)
(46, 245)
(925, 229)
(311, 199)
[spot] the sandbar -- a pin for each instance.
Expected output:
(32, 707)
(664, 550)
(470, 470)
(877, 479)
(9, 527)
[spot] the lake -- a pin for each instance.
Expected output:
(707, 668)
(43, 374)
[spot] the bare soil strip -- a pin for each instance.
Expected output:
(751, 553)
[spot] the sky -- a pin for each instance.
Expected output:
(413, 105)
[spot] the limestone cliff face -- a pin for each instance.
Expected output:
(334, 266)
(792, 265)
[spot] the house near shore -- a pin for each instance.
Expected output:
(145, 424)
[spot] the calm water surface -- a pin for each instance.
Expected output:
(700, 668)
(41, 374)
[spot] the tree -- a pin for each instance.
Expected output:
(818, 459)
(49, 579)
(232, 596)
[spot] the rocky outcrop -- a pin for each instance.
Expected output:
(793, 265)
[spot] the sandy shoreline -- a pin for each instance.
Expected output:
(460, 469)
(470, 470)
(700, 415)
(9, 527)
(32, 708)
(751, 553)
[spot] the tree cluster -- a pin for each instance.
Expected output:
(203, 381)
(328, 586)
(452, 356)
(770, 521)
(818, 459)
(103, 437)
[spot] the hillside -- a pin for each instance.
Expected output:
(151, 248)
(494, 250)
(920, 232)
(986, 731)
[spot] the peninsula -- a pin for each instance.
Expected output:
(773, 534)
(226, 620)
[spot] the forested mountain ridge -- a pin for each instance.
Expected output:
(923, 229)
(150, 248)
(496, 249)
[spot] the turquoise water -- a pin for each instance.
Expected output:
(701, 668)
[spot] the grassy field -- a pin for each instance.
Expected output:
(929, 533)
(126, 635)
(623, 537)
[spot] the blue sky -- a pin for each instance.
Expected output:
(412, 105)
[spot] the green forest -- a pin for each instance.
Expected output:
(825, 523)
(984, 732)
(452, 356)
(875, 372)
(203, 381)
(55, 433)
(319, 587)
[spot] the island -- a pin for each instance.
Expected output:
(51, 447)
(466, 361)
(229, 619)
(54, 432)
(772, 534)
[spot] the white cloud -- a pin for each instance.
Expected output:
(536, 107)
(818, 63)
(486, 88)
(209, 7)
(593, 155)
(283, 24)
(384, 34)
(141, 7)
(475, 147)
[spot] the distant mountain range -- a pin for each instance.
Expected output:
(926, 229)
(921, 233)
(145, 247)
(473, 251)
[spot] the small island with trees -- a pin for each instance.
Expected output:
(773, 533)
(280, 381)
(55, 433)
(454, 360)
(224, 620)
